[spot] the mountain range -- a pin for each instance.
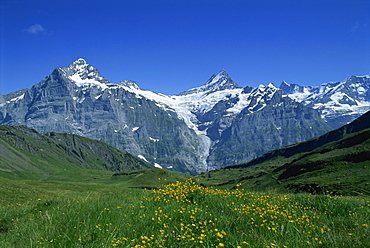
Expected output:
(339, 102)
(204, 128)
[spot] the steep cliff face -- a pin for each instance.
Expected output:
(237, 124)
(281, 122)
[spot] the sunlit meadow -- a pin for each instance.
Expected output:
(184, 214)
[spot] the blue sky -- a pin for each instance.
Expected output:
(170, 46)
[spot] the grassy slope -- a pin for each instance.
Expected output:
(337, 161)
(25, 154)
(73, 214)
(147, 178)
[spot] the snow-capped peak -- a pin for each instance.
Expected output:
(218, 82)
(271, 85)
(78, 62)
(219, 78)
(84, 75)
(83, 69)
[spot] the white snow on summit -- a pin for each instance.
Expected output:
(85, 75)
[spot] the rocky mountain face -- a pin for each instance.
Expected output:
(238, 124)
(281, 122)
(76, 99)
(339, 103)
(208, 127)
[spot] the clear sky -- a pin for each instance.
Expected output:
(169, 46)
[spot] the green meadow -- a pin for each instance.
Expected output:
(174, 212)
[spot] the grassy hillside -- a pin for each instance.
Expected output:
(338, 162)
(26, 154)
(147, 178)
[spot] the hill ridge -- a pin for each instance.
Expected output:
(334, 162)
(25, 151)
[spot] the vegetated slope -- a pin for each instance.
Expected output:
(338, 162)
(147, 178)
(26, 154)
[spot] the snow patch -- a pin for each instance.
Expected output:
(361, 90)
(17, 98)
(157, 166)
(87, 82)
(143, 158)
(337, 96)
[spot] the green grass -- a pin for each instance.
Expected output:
(72, 201)
(180, 214)
(147, 178)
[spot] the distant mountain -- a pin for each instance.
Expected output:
(219, 82)
(24, 153)
(339, 103)
(335, 162)
(204, 128)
